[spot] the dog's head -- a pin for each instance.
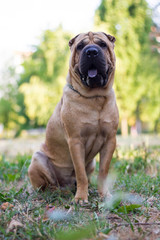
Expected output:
(93, 58)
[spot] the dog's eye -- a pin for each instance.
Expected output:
(102, 44)
(80, 46)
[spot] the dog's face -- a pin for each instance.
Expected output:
(93, 58)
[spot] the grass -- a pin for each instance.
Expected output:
(134, 208)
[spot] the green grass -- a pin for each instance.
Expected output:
(135, 185)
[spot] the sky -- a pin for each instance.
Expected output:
(22, 21)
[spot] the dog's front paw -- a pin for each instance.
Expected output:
(81, 198)
(104, 194)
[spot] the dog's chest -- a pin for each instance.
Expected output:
(94, 135)
(89, 120)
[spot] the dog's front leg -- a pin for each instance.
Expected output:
(78, 157)
(105, 159)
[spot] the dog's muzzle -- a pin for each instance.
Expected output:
(93, 69)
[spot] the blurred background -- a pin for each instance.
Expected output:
(34, 56)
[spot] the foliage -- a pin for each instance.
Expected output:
(137, 75)
(40, 99)
(44, 75)
(9, 109)
(30, 101)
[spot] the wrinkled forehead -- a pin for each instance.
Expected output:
(91, 37)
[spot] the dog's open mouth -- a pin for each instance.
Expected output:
(92, 72)
(93, 78)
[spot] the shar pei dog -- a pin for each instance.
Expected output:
(84, 122)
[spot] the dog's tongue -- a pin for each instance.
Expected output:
(92, 73)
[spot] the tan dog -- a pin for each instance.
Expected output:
(84, 122)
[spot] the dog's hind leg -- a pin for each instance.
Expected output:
(41, 171)
(90, 168)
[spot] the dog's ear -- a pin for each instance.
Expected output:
(111, 38)
(72, 41)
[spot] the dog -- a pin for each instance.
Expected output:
(84, 122)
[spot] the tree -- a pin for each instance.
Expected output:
(9, 109)
(28, 100)
(44, 76)
(137, 67)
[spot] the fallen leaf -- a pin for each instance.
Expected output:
(14, 224)
(50, 209)
(45, 218)
(6, 205)
(102, 236)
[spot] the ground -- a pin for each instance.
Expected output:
(131, 213)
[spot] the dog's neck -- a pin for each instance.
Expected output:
(71, 87)
(77, 86)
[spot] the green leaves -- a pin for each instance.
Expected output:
(137, 73)
(4, 198)
(11, 171)
(128, 208)
(44, 76)
(30, 101)
(81, 233)
(8, 197)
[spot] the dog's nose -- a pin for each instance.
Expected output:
(92, 52)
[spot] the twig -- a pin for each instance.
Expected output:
(114, 217)
(142, 224)
(69, 210)
(29, 218)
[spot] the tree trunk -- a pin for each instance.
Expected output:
(138, 121)
(157, 126)
(124, 127)
(139, 126)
